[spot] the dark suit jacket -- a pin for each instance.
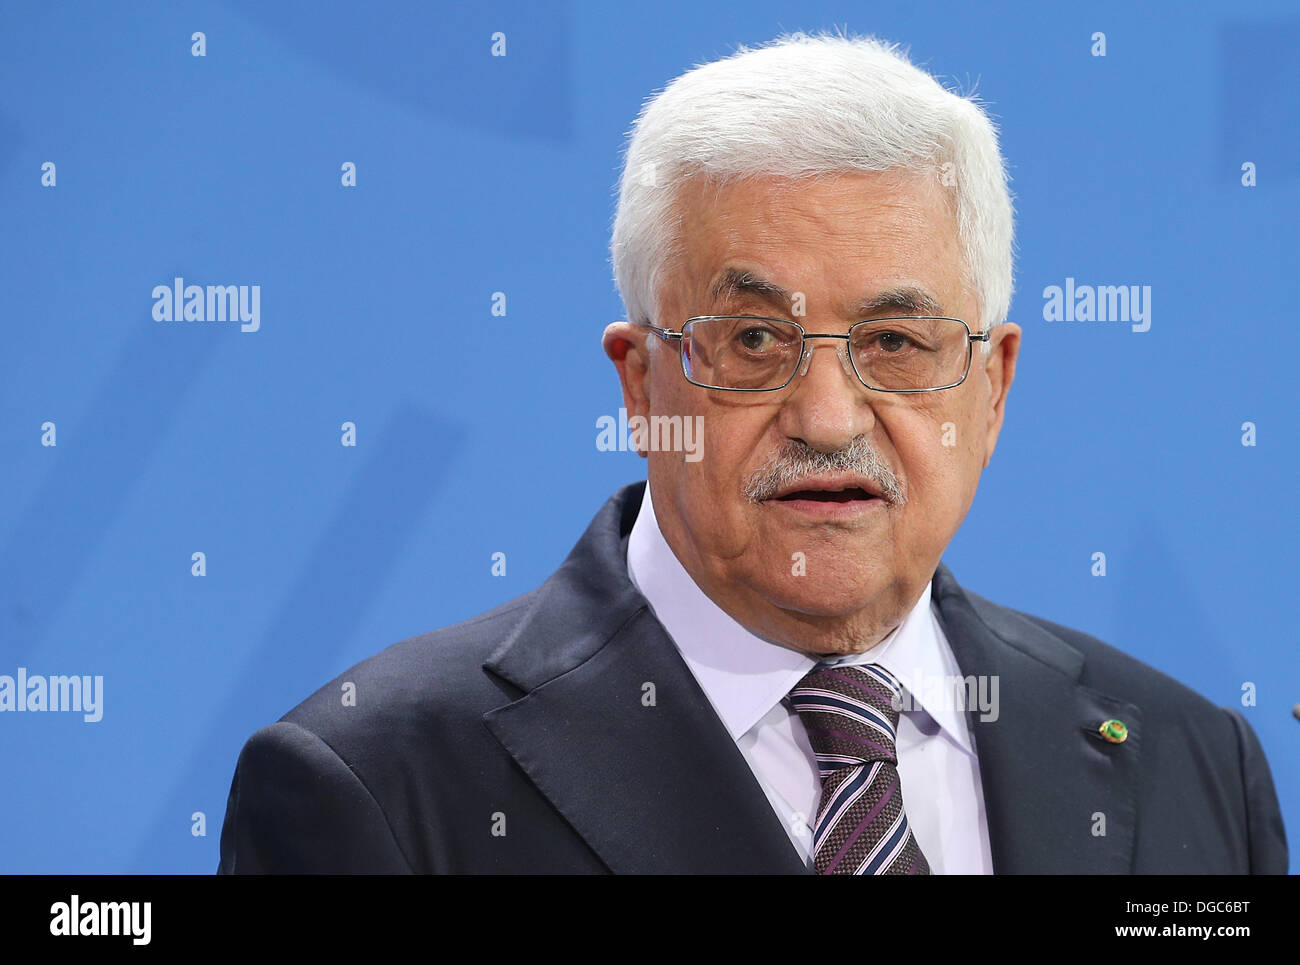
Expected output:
(529, 720)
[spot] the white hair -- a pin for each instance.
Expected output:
(803, 107)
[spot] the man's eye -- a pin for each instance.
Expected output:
(757, 340)
(891, 342)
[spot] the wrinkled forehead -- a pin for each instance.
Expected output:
(764, 239)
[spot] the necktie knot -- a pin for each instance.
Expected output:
(850, 714)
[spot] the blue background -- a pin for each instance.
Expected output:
(479, 174)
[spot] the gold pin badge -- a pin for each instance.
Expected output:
(1113, 731)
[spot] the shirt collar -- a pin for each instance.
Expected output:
(744, 675)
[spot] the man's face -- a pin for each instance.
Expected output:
(817, 572)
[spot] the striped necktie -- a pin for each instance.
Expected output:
(851, 720)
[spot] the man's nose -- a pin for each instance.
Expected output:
(828, 405)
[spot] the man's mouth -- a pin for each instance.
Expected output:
(838, 497)
(848, 495)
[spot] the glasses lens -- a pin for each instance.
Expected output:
(910, 353)
(740, 353)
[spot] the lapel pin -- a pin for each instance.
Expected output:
(1113, 731)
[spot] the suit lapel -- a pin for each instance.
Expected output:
(614, 729)
(1058, 799)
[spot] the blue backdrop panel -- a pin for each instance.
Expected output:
(475, 432)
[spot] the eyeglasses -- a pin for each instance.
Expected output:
(743, 353)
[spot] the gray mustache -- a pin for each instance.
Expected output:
(796, 461)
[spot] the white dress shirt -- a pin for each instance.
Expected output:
(747, 679)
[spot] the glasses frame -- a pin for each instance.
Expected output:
(671, 335)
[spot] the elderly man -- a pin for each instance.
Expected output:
(756, 661)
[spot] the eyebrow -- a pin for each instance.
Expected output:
(736, 282)
(904, 300)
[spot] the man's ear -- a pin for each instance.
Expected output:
(1000, 370)
(625, 344)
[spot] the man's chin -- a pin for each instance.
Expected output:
(818, 602)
